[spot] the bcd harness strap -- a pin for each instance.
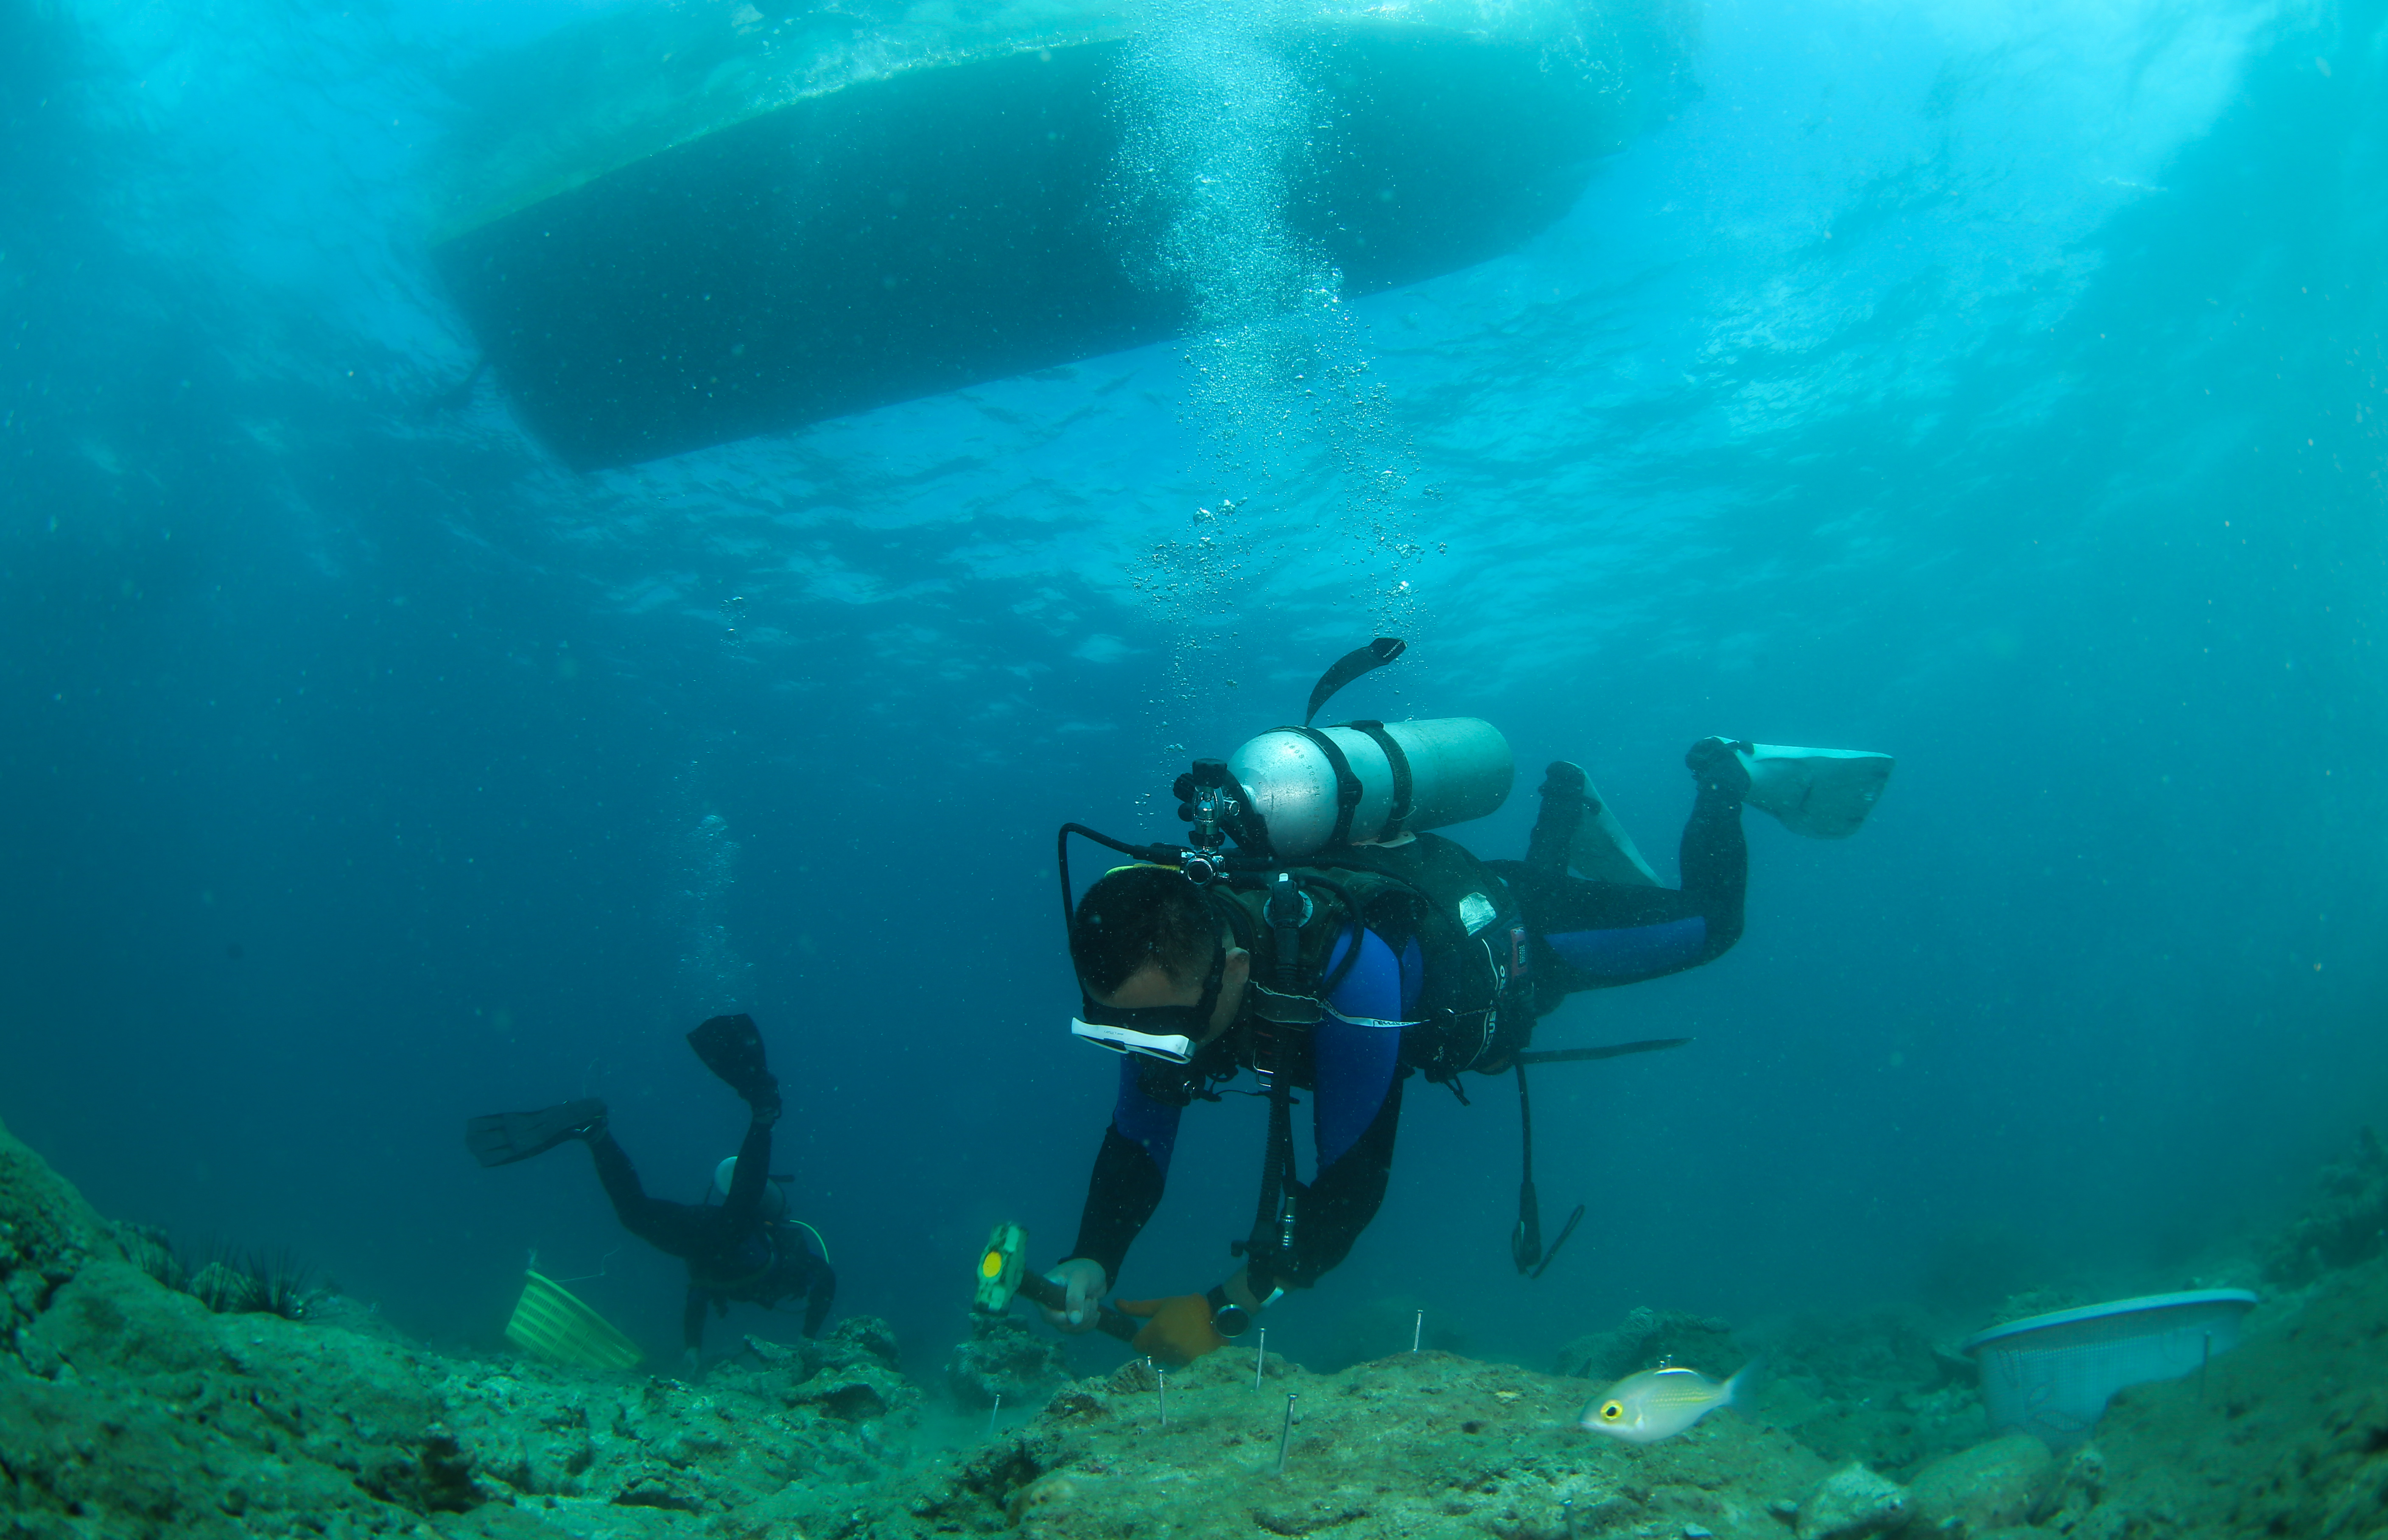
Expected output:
(1486, 944)
(1346, 785)
(1400, 761)
(1270, 1247)
(1348, 789)
(1294, 1001)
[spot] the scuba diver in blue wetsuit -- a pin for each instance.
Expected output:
(1342, 950)
(745, 1247)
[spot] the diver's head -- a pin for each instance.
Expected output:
(1152, 956)
(775, 1202)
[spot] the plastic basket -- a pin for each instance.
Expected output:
(550, 1323)
(2052, 1375)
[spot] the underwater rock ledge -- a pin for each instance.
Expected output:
(129, 1409)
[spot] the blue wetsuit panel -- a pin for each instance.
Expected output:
(1138, 1116)
(1633, 953)
(1355, 1062)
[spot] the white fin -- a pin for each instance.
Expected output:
(1822, 793)
(1603, 851)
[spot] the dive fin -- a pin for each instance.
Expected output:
(1526, 1240)
(1350, 666)
(1575, 827)
(1603, 851)
(1552, 1255)
(732, 1049)
(1822, 793)
(503, 1138)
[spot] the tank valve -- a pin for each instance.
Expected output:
(1204, 800)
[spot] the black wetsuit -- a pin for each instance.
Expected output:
(1582, 934)
(731, 1251)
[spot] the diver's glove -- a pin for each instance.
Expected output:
(1083, 1281)
(1178, 1330)
(1717, 768)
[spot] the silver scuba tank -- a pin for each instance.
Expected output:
(1397, 778)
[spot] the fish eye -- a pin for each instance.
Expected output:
(1613, 1412)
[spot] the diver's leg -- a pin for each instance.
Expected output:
(1596, 935)
(739, 1209)
(676, 1230)
(732, 1049)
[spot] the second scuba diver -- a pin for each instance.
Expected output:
(1412, 956)
(745, 1248)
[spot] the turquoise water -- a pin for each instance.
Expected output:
(1997, 387)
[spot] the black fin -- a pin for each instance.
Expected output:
(1525, 1241)
(1565, 1230)
(503, 1138)
(732, 1049)
(1350, 666)
(1606, 1050)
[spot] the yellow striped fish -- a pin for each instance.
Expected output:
(1660, 1403)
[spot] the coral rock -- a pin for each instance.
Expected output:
(1851, 1502)
(1992, 1486)
(1005, 1356)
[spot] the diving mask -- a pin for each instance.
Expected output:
(1165, 1032)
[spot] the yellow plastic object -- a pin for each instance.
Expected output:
(999, 1267)
(552, 1325)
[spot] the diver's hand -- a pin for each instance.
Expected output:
(1086, 1280)
(1177, 1330)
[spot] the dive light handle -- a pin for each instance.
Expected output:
(1039, 1289)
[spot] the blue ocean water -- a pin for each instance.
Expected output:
(1997, 385)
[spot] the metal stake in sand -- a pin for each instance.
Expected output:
(992, 1413)
(2204, 1362)
(1566, 1518)
(1418, 1333)
(1163, 1387)
(1260, 1361)
(1285, 1439)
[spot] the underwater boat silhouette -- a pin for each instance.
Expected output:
(673, 226)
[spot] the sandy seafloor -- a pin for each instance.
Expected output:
(129, 1408)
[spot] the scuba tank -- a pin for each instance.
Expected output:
(1295, 791)
(1305, 789)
